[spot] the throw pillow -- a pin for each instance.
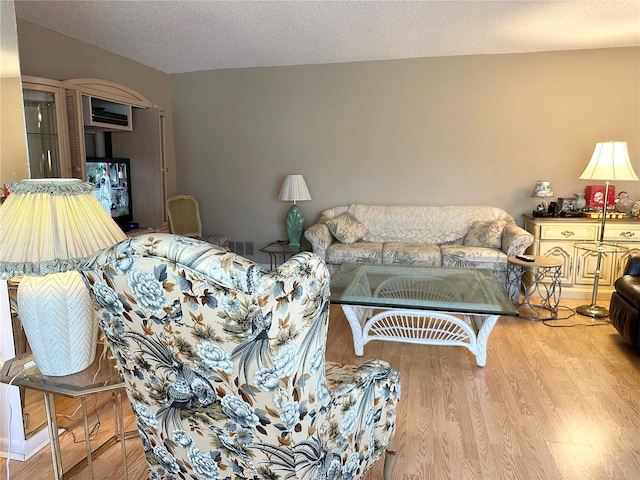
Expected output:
(485, 234)
(347, 228)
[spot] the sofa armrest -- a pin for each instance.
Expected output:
(320, 238)
(515, 240)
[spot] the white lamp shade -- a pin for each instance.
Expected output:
(51, 225)
(294, 189)
(610, 161)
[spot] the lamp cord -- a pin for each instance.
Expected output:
(548, 322)
(95, 428)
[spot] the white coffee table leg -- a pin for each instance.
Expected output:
(483, 326)
(356, 317)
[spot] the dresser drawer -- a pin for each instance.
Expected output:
(622, 233)
(569, 232)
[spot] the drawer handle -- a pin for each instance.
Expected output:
(567, 233)
(627, 234)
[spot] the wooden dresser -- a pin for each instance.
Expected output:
(556, 237)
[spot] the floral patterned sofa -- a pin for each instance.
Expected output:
(224, 364)
(462, 236)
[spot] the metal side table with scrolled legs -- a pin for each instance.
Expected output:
(540, 279)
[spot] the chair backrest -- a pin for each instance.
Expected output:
(223, 361)
(184, 216)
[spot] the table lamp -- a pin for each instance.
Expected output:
(294, 189)
(542, 189)
(610, 161)
(49, 226)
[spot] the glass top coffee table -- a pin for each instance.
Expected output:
(424, 305)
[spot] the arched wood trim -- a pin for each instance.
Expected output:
(107, 90)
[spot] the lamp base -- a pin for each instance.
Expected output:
(594, 311)
(295, 225)
(58, 318)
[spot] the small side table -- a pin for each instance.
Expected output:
(538, 279)
(282, 247)
(100, 377)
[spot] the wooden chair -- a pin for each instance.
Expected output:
(184, 216)
(184, 220)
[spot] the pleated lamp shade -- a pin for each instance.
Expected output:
(294, 188)
(48, 228)
(51, 225)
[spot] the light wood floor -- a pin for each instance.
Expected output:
(552, 403)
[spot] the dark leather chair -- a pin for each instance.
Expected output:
(624, 309)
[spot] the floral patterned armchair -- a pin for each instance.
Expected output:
(225, 367)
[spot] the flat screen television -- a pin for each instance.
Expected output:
(112, 180)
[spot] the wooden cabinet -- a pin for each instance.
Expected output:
(144, 146)
(556, 237)
(107, 119)
(626, 234)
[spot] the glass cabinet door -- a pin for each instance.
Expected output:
(47, 137)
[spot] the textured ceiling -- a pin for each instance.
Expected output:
(186, 36)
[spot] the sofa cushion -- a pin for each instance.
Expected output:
(346, 228)
(422, 223)
(355, 252)
(485, 234)
(464, 256)
(476, 257)
(411, 253)
(633, 266)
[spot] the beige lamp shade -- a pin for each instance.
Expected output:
(294, 189)
(51, 225)
(610, 161)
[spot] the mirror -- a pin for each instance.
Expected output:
(14, 167)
